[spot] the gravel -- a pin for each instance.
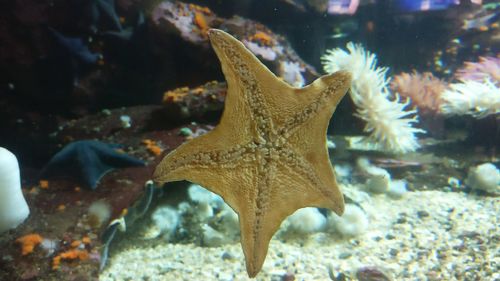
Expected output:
(426, 235)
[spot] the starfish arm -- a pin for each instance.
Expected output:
(316, 179)
(324, 93)
(258, 219)
(87, 161)
(309, 156)
(107, 154)
(90, 175)
(213, 153)
(281, 190)
(246, 77)
(108, 8)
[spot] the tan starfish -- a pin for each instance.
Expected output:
(268, 156)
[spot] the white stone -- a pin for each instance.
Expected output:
(306, 221)
(484, 177)
(166, 219)
(353, 222)
(397, 189)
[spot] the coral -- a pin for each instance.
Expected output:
(469, 97)
(29, 242)
(486, 68)
(423, 89)
(387, 121)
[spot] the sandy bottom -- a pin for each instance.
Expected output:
(427, 235)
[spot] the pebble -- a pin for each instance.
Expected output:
(390, 237)
(371, 274)
(227, 256)
(414, 249)
(345, 255)
(422, 214)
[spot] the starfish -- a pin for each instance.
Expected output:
(268, 155)
(107, 9)
(76, 48)
(87, 161)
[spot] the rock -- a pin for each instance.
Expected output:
(372, 274)
(422, 214)
(227, 256)
(191, 22)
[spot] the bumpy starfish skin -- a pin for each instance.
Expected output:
(268, 156)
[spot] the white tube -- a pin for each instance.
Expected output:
(13, 207)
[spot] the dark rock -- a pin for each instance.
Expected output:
(393, 252)
(227, 256)
(345, 255)
(191, 23)
(390, 237)
(372, 274)
(288, 277)
(422, 214)
(401, 220)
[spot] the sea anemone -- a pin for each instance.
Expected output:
(486, 68)
(387, 121)
(470, 97)
(423, 89)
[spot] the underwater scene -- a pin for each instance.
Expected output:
(280, 140)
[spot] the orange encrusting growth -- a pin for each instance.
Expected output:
(77, 252)
(262, 37)
(152, 147)
(199, 18)
(72, 254)
(86, 240)
(28, 242)
(44, 184)
(175, 95)
(201, 23)
(204, 10)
